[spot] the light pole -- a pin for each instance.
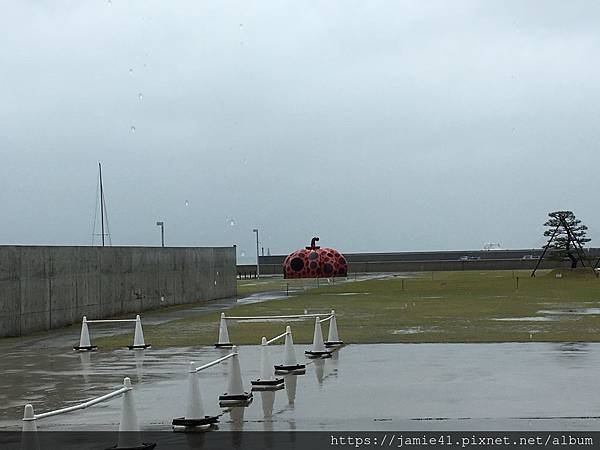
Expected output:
(257, 263)
(162, 232)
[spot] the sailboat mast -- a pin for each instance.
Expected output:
(101, 203)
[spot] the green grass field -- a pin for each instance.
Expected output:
(438, 307)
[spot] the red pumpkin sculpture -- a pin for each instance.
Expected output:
(315, 262)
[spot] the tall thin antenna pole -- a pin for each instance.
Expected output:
(255, 230)
(101, 202)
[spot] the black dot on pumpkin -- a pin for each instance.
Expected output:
(327, 268)
(297, 264)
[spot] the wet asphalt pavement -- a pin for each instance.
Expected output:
(365, 387)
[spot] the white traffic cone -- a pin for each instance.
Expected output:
(318, 348)
(333, 339)
(84, 340)
(29, 437)
(235, 394)
(223, 334)
(29, 419)
(266, 369)
(194, 409)
(138, 337)
(129, 429)
(194, 415)
(266, 381)
(290, 353)
(318, 345)
(290, 363)
(234, 382)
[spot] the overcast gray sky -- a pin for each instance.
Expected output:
(376, 125)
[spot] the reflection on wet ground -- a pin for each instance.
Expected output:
(363, 387)
(576, 311)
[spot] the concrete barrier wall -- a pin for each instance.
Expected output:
(435, 256)
(433, 266)
(431, 261)
(429, 266)
(49, 287)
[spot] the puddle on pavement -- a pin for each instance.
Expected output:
(575, 311)
(415, 330)
(526, 319)
(368, 387)
(343, 294)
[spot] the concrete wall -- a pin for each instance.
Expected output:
(431, 261)
(49, 287)
(428, 266)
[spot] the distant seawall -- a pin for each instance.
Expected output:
(44, 287)
(429, 261)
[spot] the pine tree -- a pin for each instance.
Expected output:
(562, 246)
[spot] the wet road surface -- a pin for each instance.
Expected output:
(514, 386)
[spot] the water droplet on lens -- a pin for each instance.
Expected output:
(231, 222)
(245, 161)
(243, 253)
(132, 129)
(187, 203)
(241, 25)
(215, 282)
(140, 96)
(130, 70)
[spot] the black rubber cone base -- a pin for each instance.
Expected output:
(226, 345)
(334, 343)
(139, 347)
(267, 385)
(144, 446)
(314, 355)
(196, 429)
(183, 422)
(89, 348)
(235, 400)
(298, 369)
(268, 388)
